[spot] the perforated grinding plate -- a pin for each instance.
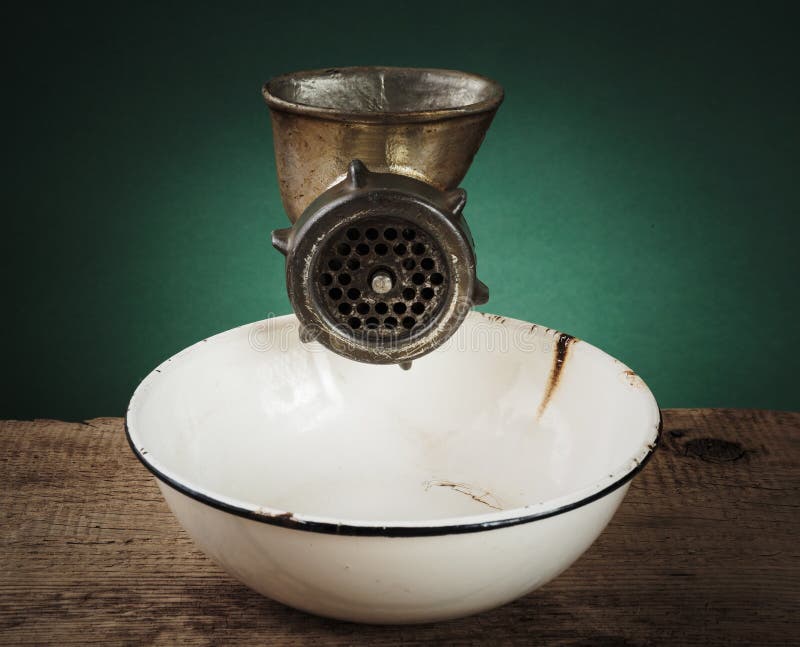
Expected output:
(350, 258)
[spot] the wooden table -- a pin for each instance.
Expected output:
(704, 550)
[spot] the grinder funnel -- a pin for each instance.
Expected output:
(380, 264)
(424, 123)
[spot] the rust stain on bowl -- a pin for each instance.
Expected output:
(559, 359)
(631, 379)
(274, 515)
(481, 496)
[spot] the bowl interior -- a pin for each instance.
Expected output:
(255, 417)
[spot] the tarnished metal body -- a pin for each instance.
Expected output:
(380, 263)
(427, 124)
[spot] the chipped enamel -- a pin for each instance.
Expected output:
(374, 494)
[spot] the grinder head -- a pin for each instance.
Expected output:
(380, 263)
(381, 267)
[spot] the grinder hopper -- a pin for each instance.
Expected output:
(380, 264)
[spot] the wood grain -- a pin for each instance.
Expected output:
(704, 550)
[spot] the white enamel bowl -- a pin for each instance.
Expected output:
(373, 494)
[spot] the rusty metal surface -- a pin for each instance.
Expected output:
(423, 123)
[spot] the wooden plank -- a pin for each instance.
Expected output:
(704, 550)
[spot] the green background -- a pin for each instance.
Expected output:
(639, 187)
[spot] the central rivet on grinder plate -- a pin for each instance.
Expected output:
(381, 282)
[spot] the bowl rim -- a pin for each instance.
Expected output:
(494, 97)
(390, 528)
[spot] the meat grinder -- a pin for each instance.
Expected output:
(380, 262)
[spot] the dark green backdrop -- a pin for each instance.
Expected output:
(639, 187)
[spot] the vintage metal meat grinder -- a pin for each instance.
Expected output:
(380, 263)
